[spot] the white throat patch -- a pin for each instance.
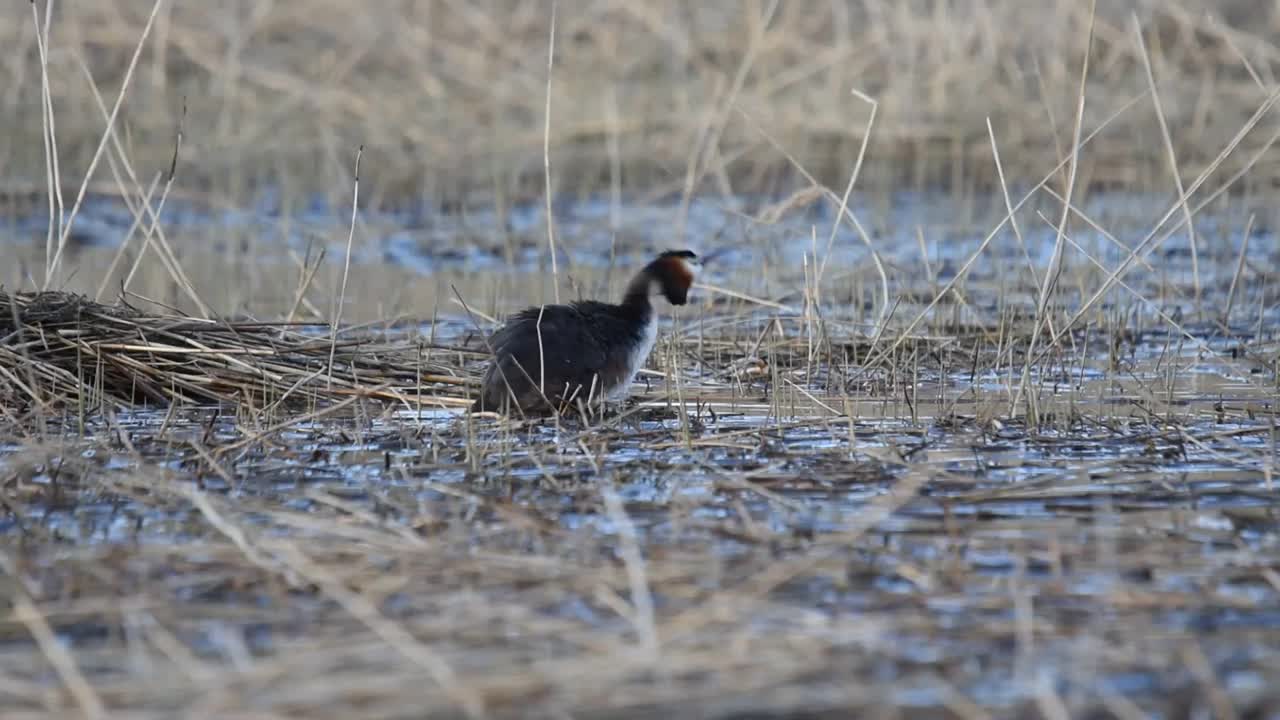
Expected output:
(636, 358)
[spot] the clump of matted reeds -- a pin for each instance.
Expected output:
(58, 347)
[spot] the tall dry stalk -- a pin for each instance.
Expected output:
(546, 158)
(65, 229)
(1050, 280)
(346, 263)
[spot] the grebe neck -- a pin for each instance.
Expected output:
(638, 291)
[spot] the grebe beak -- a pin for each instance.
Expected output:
(713, 255)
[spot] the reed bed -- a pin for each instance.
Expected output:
(796, 515)
(779, 536)
(1034, 478)
(59, 349)
(647, 98)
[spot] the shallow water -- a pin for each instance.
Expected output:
(923, 240)
(1078, 557)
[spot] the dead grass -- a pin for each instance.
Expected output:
(919, 549)
(59, 349)
(448, 97)
(982, 485)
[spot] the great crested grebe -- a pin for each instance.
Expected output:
(552, 355)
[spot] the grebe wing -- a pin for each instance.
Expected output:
(568, 339)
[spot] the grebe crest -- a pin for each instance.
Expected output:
(550, 356)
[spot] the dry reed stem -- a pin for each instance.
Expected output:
(844, 202)
(48, 134)
(167, 256)
(124, 244)
(393, 633)
(65, 229)
(1050, 280)
(973, 257)
(1173, 158)
(1153, 238)
(58, 656)
(642, 613)
(845, 212)
(548, 188)
(346, 263)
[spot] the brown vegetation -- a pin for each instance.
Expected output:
(982, 485)
(448, 97)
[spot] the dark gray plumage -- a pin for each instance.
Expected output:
(589, 349)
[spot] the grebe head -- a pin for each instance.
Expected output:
(674, 271)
